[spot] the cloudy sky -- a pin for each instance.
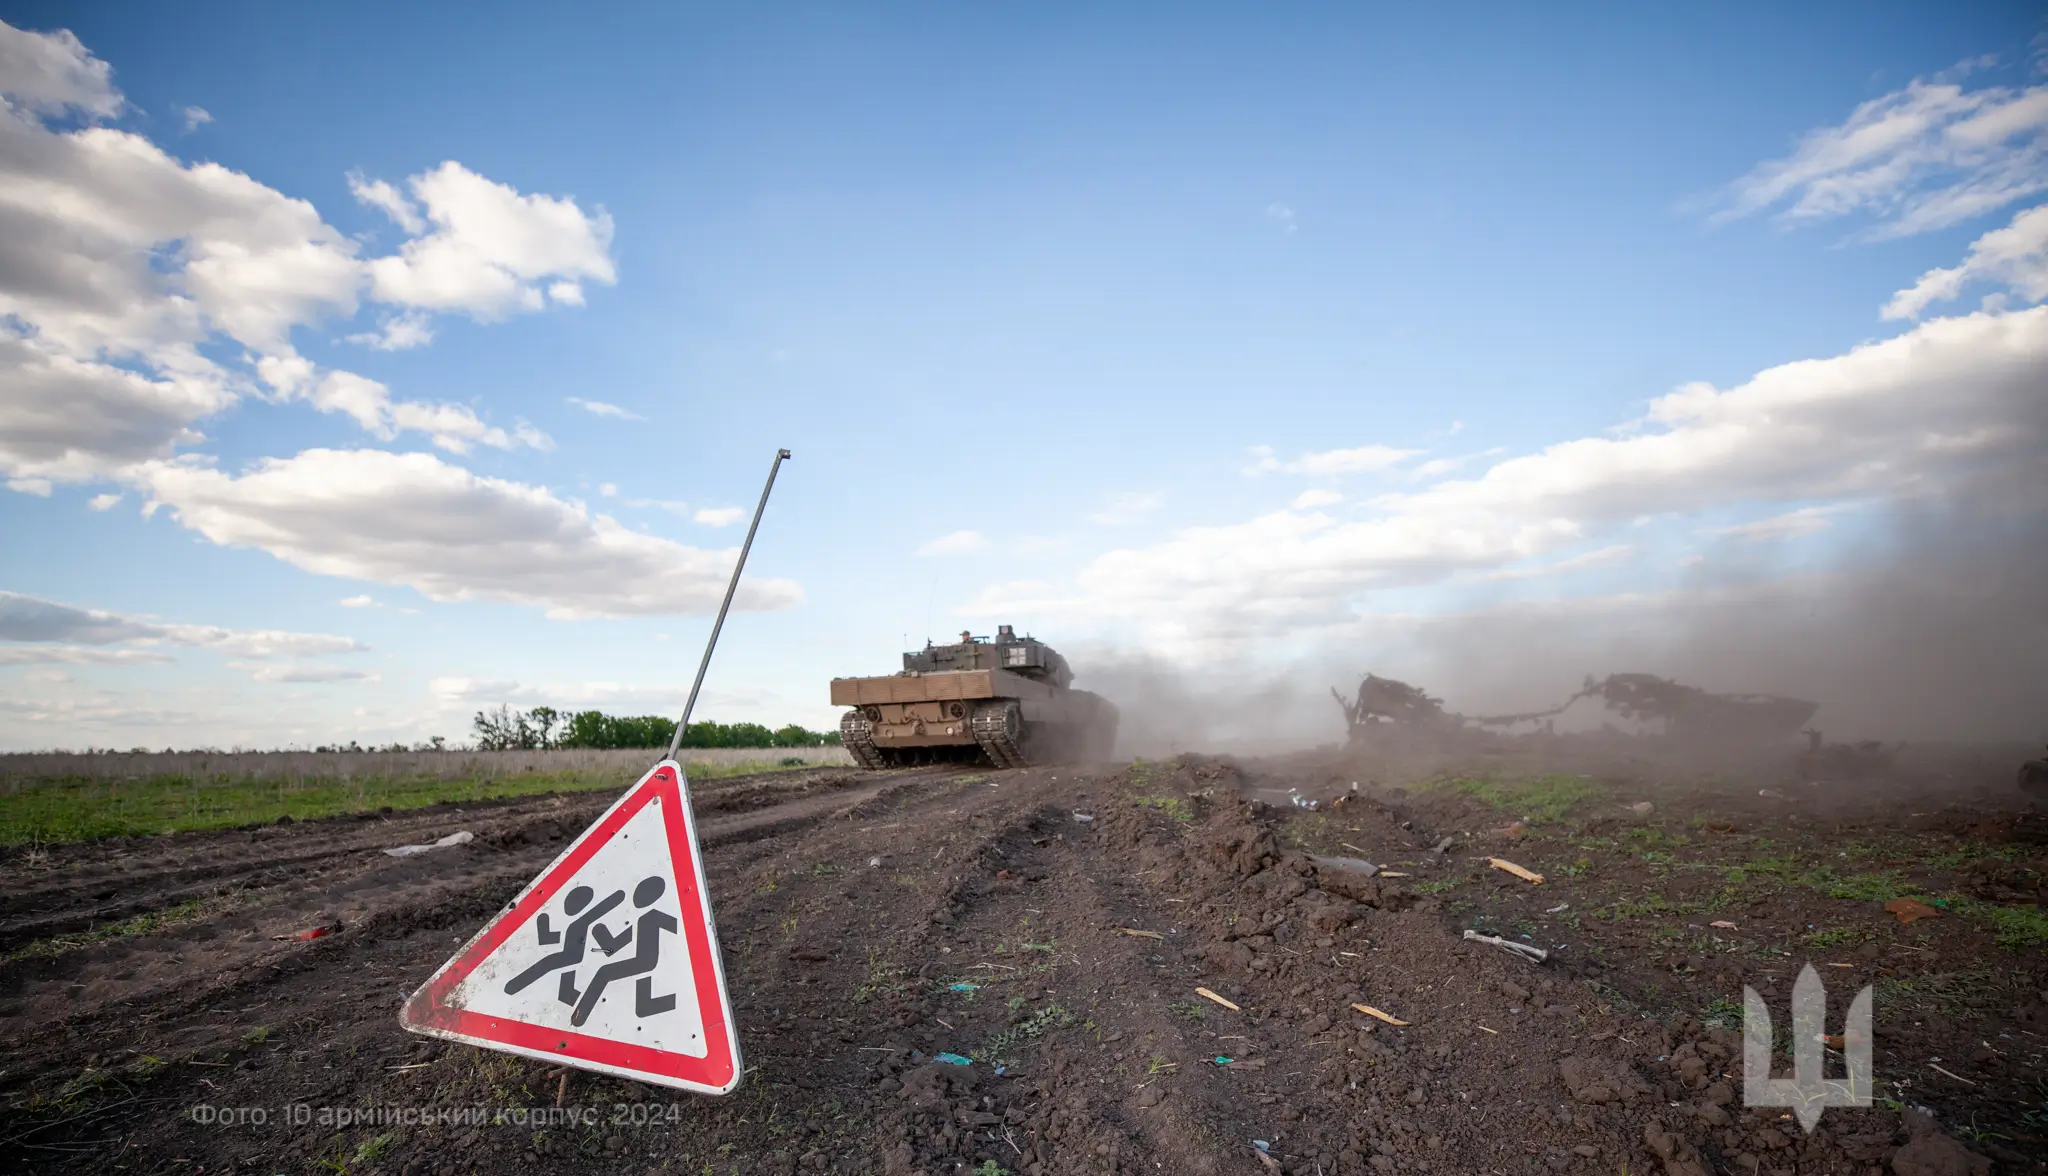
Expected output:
(351, 381)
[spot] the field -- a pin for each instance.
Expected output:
(1054, 928)
(60, 796)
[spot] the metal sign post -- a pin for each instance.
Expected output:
(781, 455)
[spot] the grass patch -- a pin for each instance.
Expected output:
(1176, 807)
(1039, 1024)
(1433, 887)
(1838, 937)
(1534, 799)
(1878, 887)
(82, 809)
(147, 923)
(2013, 928)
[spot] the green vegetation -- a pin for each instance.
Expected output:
(83, 809)
(1838, 936)
(1722, 1014)
(1179, 808)
(506, 729)
(1535, 799)
(1881, 887)
(1437, 887)
(1040, 1023)
(2012, 927)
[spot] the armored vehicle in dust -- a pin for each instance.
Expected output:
(1007, 702)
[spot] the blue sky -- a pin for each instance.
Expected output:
(1025, 293)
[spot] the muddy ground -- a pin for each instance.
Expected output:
(873, 921)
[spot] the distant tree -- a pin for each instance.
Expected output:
(543, 719)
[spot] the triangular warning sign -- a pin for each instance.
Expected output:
(608, 961)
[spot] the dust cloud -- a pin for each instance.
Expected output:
(1933, 628)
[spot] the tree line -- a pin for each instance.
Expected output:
(506, 729)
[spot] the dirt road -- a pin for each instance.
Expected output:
(1053, 926)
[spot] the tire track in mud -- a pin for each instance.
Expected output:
(72, 888)
(201, 962)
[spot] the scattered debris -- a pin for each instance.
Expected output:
(1141, 934)
(1563, 906)
(320, 932)
(961, 986)
(1642, 808)
(1483, 1028)
(1376, 1014)
(1906, 910)
(1223, 1059)
(2034, 781)
(1084, 818)
(462, 838)
(1354, 865)
(1724, 925)
(874, 863)
(1529, 876)
(953, 1059)
(1443, 847)
(1208, 995)
(1521, 949)
(1384, 701)
(1957, 1077)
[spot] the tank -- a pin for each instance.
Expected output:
(1007, 702)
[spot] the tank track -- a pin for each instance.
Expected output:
(857, 737)
(997, 726)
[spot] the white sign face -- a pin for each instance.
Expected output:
(608, 961)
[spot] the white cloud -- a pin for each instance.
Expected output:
(1123, 509)
(1951, 400)
(2015, 257)
(1924, 157)
(1311, 499)
(78, 655)
(104, 501)
(600, 408)
(453, 427)
(140, 295)
(1282, 215)
(34, 620)
(51, 72)
(720, 516)
(40, 487)
(364, 600)
(399, 332)
(415, 521)
(609, 490)
(299, 673)
(1599, 558)
(487, 248)
(956, 543)
(1793, 524)
(195, 117)
(1364, 459)
(385, 197)
(566, 293)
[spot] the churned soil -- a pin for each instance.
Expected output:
(1143, 968)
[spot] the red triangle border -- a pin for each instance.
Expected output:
(716, 1073)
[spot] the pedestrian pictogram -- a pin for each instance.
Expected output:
(608, 961)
